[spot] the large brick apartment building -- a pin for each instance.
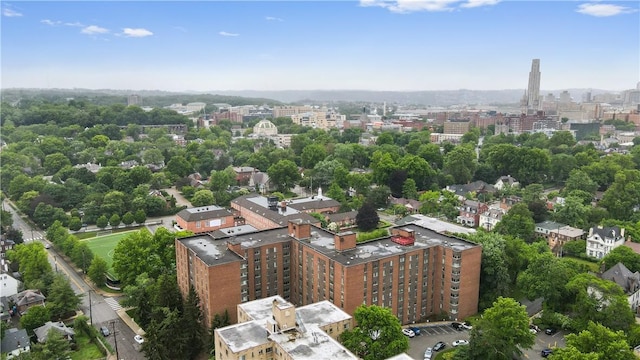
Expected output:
(415, 272)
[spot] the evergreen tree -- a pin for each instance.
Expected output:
(193, 320)
(367, 218)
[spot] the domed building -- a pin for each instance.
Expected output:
(265, 128)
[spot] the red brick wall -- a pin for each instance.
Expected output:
(227, 221)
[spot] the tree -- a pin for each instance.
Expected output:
(61, 300)
(56, 347)
(579, 180)
(218, 321)
(102, 222)
(97, 269)
(33, 263)
(193, 321)
(494, 274)
(461, 164)
(179, 166)
(75, 223)
(377, 336)
(367, 218)
(599, 300)
(140, 252)
(517, 222)
(114, 220)
(623, 195)
(502, 332)
(165, 337)
(203, 197)
(6, 220)
(624, 255)
(139, 297)
(596, 342)
(128, 218)
(140, 216)
(409, 190)
(312, 154)
(34, 318)
(284, 175)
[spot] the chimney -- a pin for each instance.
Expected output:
(284, 314)
(345, 241)
(299, 229)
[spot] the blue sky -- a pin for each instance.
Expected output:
(303, 45)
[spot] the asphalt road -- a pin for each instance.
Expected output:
(100, 311)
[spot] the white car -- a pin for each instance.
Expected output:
(408, 332)
(139, 339)
(428, 353)
(467, 326)
(459, 343)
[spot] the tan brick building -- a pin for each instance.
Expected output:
(415, 272)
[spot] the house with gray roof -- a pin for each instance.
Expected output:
(557, 234)
(628, 281)
(26, 299)
(601, 240)
(15, 342)
(42, 332)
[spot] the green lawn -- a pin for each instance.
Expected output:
(102, 246)
(86, 349)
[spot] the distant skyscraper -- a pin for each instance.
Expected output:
(134, 99)
(533, 90)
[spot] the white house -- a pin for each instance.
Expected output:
(8, 285)
(506, 181)
(602, 240)
(490, 218)
(628, 281)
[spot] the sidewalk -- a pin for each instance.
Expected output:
(129, 321)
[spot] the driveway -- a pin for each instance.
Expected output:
(180, 200)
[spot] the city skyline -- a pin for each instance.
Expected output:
(374, 45)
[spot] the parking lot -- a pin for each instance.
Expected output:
(430, 335)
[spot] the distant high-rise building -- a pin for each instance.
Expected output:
(533, 89)
(134, 99)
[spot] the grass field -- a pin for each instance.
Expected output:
(103, 246)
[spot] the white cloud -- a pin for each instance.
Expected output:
(409, 6)
(10, 12)
(94, 29)
(50, 22)
(273, 18)
(603, 10)
(224, 33)
(478, 3)
(129, 32)
(76, 24)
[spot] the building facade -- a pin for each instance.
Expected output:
(601, 240)
(415, 272)
(205, 219)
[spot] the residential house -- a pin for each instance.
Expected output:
(343, 220)
(15, 342)
(557, 234)
(26, 299)
(470, 211)
(243, 174)
(479, 188)
(6, 244)
(507, 202)
(261, 181)
(205, 219)
(506, 181)
(43, 331)
(9, 285)
(129, 164)
(195, 180)
(94, 168)
(158, 194)
(411, 205)
(601, 240)
(490, 218)
(628, 281)
(273, 327)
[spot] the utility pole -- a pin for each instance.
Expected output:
(115, 339)
(84, 266)
(90, 310)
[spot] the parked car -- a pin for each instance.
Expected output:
(408, 332)
(139, 339)
(551, 331)
(534, 327)
(533, 331)
(546, 352)
(428, 353)
(467, 325)
(439, 346)
(47, 245)
(460, 343)
(416, 330)
(104, 331)
(457, 326)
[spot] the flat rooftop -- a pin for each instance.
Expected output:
(313, 344)
(317, 314)
(210, 251)
(244, 336)
(436, 225)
